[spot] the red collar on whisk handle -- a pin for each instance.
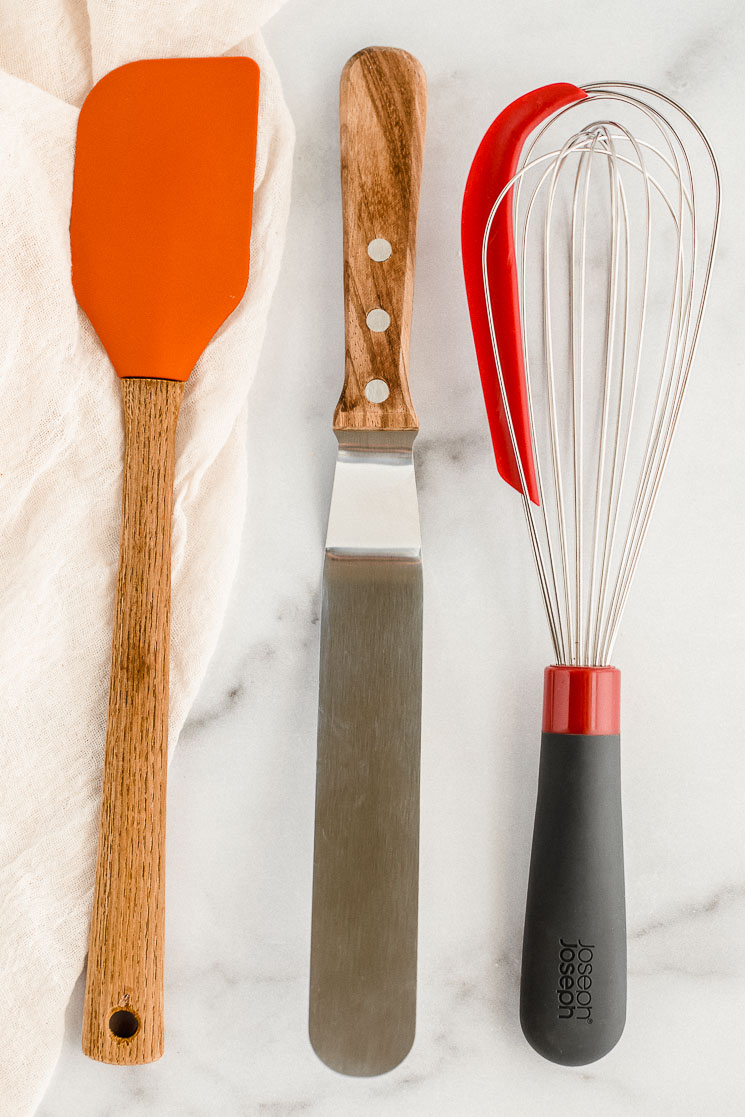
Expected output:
(494, 165)
(584, 700)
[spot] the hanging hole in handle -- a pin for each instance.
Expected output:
(377, 391)
(378, 320)
(124, 1024)
(379, 249)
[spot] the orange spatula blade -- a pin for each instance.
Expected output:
(161, 211)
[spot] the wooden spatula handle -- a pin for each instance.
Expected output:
(123, 1014)
(383, 108)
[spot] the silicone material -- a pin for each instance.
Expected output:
(573, 987)
(160, 227)
(582, 700)
(493, 166)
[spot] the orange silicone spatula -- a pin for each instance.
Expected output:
(159, 231)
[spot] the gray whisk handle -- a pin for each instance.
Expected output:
(573, 985)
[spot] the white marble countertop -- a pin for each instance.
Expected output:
(241, 794)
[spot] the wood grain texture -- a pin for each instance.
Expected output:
(383, 101)
(125, 959)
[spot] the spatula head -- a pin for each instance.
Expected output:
(161, 210)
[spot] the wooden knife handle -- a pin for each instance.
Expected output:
(382, 107)
(123, 1013)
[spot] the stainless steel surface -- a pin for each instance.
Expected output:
(365, 882)
(615, 229)
(374, 507)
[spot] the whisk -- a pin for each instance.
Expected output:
(588, 231)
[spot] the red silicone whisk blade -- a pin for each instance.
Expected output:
(493, 166)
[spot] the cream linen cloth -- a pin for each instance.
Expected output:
(61, 445)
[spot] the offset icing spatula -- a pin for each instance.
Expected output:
(159, 231)
(365, 882)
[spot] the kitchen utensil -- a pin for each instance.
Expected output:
(159, 232)
(587, 253)
(365, 880)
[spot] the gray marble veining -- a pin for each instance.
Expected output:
(242, 779)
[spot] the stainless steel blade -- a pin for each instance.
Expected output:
(365, 882)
